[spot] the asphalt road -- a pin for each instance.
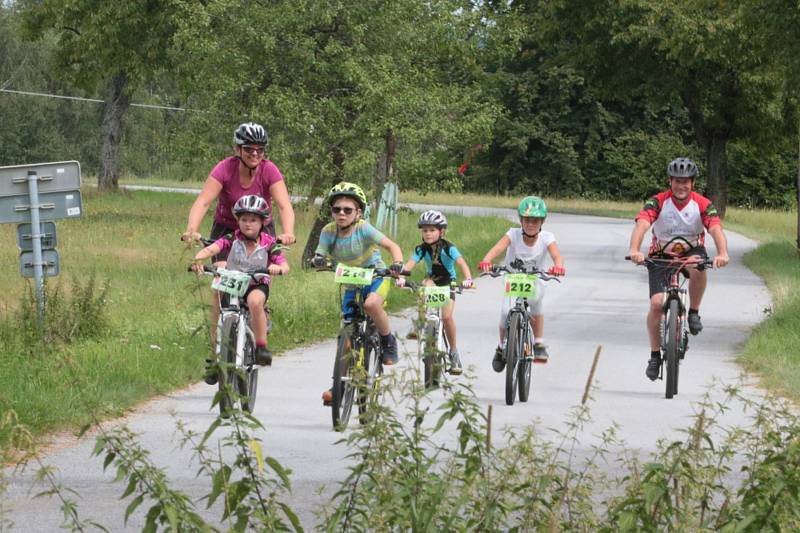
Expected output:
(601, 302)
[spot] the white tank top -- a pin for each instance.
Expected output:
(671, 223)
(531, 255)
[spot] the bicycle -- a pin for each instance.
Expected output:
(358, 363)
(674, 331)
(520, 283)
(434, 348)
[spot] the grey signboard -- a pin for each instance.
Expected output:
(60, 176)
(50, 259)
(52, 206)
(25, 236)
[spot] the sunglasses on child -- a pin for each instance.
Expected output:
(346, 210)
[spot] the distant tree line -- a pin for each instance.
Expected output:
(589, 99)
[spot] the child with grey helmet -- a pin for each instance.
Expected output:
(530, 244)
(248, 249)
(441, 257)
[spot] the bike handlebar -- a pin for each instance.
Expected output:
(256, 275)
(498, 270)
(415, 285)
(676, 262)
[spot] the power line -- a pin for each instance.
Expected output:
(150, 106)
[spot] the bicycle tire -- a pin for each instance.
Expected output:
(368, 388)
(513, 355)
(524, 378)
(227, 382)
(429, 356)
(248, 378)
(343, 386)
(672, 355)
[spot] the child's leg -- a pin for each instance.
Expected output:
(373, 305)
(258, 317)
(537, 321)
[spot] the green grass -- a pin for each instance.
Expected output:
(156, 341)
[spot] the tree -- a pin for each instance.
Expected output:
(116, 45)
(697, 52)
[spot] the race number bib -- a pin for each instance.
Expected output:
(350, 275)
(436, 296)
(232, 282)
(521, 286)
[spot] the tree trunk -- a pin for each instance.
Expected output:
(324, 214)
(385, 171)
(798, 189)
(717, 172)
(117, 103)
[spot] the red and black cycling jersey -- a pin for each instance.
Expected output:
(670, 218)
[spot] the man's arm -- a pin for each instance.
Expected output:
(721, 259)
(637, 236)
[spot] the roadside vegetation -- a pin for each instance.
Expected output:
(127, 319)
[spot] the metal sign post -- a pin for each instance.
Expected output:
(31, 195)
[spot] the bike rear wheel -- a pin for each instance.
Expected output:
(525, 365)
(513, 355)
(228, 384)
(343, 387)
(672, 355)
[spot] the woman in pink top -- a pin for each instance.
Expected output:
(248, 172)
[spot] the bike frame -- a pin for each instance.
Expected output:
(243, 329)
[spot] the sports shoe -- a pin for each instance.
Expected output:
(695, 325)
(263, 356)
(455, 363)
(499, 360)
(540, 354)
(389, 349)
(327, 397)
(653, 368)
(210, 376)
(412, 335)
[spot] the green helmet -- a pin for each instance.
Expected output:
(532, 206)
(352, 190)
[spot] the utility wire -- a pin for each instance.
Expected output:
(150, 106)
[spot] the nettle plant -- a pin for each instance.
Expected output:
(425, 461)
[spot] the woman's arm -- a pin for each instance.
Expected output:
(280, 194)
(210, 192)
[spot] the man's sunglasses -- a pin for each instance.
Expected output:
(257, 150)
(346, 210)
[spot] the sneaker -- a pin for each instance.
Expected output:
(653, 368)
(327, 397)
(210, 376)
(499, 361)
(455, 363)
(263, 356)
(695, 325)
(389, 350)
(412, 335)
(540, 354)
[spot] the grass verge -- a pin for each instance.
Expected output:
(154, 312)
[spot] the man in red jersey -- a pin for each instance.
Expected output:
(679, 218)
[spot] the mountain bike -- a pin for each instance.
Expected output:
(434, 348)
(358, 363)
(674, 331)
(520, 283)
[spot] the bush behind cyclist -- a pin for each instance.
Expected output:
(676, 217)
(248, 249)
(441, 257)
(530, 244)
(351, 240)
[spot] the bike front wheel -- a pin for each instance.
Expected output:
(672, 355)
(524, 366)
(248, 378)
(343, 391)
(513, 355)
(368, 385)
(228, 384)
(430, 357)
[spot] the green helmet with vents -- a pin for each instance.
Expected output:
(351, 190)
(532, 206)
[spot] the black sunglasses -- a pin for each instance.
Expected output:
(258, 150)
(346, 210)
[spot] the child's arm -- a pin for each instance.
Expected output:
(465, 271)
(486, 264)
(558, 263)
(397, 254)
(207, 252)
(278, 265)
